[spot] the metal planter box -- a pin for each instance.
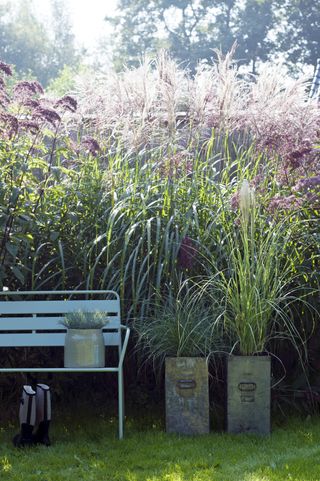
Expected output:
(84, 348)
(187, 395)
(248, 400)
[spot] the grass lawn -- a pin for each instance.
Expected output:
(90, 451)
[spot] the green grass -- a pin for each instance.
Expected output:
(89, 450)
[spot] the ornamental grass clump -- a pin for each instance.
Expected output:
(263, 281)
(181, 326)
(85, 320)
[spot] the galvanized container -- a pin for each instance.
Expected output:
(187, 395)
(248, 402)
(84, 348)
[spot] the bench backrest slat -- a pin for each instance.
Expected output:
(45, 339)
(29, 322)
(57, 307)
(43, 323)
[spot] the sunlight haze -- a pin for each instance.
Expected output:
(86, 16)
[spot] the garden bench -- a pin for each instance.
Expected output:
(32, 318)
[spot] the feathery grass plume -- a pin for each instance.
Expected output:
(159, 105)
(285, 124)
(246, 201)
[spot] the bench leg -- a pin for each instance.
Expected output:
(120, 402)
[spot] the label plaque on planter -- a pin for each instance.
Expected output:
(248, 402)
(187, 395)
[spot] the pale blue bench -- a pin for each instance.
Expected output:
(32, 319)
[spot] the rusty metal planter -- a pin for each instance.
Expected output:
(187, 395)
(248, 403)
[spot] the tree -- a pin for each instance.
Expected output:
(63, 41)
(135, 31)
(191, 30)
(32, 47)
(299, 37)
(24, 42)
(254, 22)
(185, 27)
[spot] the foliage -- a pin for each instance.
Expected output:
(32, 173)
(254, 22)
(78, 451)
(198, 27)
(65, 81)
(262, 280)
(299, 38)
(191, 30)
(78, 215)
(134, 191)
(85, 320)
(178, 327)
(159, 105)
(26, 42)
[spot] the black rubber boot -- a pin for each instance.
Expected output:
(41, 436)
(43, 402)
(27, 417)
(25, 437)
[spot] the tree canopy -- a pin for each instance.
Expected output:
(300, 34)
(192, 29)
(36, 50)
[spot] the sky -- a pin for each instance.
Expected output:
(87, 17)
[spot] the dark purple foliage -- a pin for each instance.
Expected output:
(31, 103)
(8, 125)
(5, 68)
(296, 158)
(187, 253)
(290, 202)
(29, 125)
(38, 87)
(91, 145)
(48, 115)
(4, 99)
(67, 103)
(26, 89)
(234, 201)
(308, 183)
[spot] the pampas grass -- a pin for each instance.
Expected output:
(160, 105)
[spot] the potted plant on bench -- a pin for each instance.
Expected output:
(84, 341)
